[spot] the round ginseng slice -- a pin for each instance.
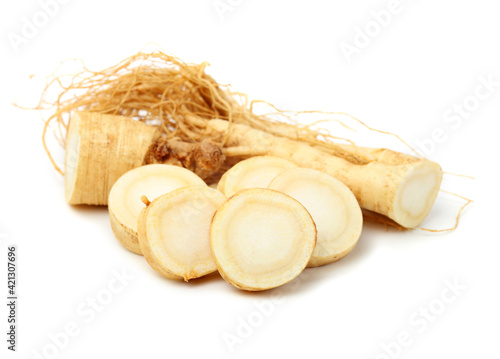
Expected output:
(174, 232)
(255, 172)
(333, 207)
(261, 239)
(125, 203)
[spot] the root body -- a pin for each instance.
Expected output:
(403, 192)
(99, 149)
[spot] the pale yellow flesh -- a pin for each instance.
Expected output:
(174, 232)
(255, 172)
(417, 193)
(261, 239)
(151, 181)
(333, 207)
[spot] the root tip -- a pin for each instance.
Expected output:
(145, 200)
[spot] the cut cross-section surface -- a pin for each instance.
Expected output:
(333, 207)
(261, 239)
(255, 172)
(152, 181)
(174, 232)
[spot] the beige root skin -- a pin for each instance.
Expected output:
(381, 155)
(125, 234)
(405, 193)
(99, 149)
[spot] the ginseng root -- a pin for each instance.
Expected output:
(255, 172)
(99, 149)
(405, 193)
(174, 232)
(151, 181)
(261, 239)
(333, 207)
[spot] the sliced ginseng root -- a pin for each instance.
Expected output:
(99, 149)
(333, 207)
(255, 172)
(174, 232)
(152, 181)
(261, 239)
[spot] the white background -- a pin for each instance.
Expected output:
(427, 59)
